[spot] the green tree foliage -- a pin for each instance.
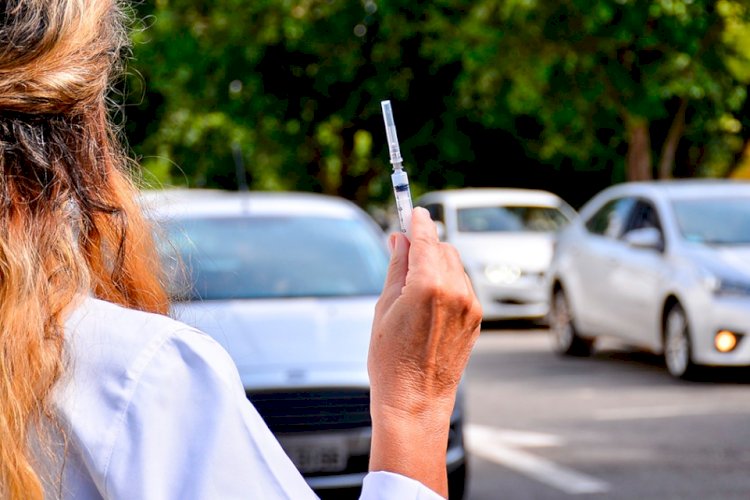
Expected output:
(294, 85)
(485, 92)
(603, 80)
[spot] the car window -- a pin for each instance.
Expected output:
(643, 215)
(273, 257)
(436, 211)
(720, 221)
(510, 219)
(610, 220)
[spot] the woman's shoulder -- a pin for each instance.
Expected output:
(108, 337)
(124, 369)
(110, 347)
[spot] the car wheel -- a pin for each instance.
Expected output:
(566, 340)
(457, 482)
(677, 344)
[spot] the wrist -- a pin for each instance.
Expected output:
(412, 445)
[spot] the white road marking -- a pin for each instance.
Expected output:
(500, 446)
(649, 412)
(519, 438)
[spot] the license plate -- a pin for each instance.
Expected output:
(317, 454)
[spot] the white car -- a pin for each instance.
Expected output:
(661, 265)
(287, 283)
(505, 238)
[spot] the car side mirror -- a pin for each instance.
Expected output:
(440, 230)
(646, 237)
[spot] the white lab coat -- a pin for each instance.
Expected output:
(151, 408)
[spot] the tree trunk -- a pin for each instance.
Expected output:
(638, 160)
(741, 159)
(668, 151)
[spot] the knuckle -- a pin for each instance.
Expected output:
(476, 310)
(380, 306)
(433, 289)
(467, 304)
(455, 301)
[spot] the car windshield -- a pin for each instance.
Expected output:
(510, 219)
(272, 257)
(720, 221)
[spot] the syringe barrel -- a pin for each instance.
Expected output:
(403, 199)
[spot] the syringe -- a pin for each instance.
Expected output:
(399, 178)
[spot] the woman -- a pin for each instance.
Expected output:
(102, 395)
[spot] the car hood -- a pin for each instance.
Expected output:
(529, 251)
(289, 342)
(724, 260)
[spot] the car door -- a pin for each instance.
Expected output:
(635, 279)
(591, 267)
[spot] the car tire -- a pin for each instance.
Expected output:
(457, 482)
(565, 337)
(678, 345)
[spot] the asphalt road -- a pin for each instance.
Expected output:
(613, 426)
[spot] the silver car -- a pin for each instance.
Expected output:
(661, 265)
(287, 283)
(505, 237)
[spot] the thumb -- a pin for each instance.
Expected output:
(397, 269)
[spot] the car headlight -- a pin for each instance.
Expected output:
(731, 287)
(502, 274)
(724, 286)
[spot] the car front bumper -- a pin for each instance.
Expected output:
(455, 457)
(527, 298)
(327, 432)
(724, 313)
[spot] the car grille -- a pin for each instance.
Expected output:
(292, 412)
(307, 411)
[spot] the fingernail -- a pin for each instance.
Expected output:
(392, 243)
(423, 210)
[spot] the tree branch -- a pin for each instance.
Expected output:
(669, 149)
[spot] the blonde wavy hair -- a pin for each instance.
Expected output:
(70, 224)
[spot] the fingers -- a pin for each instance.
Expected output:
(426, 255)
(433, 265)
(455, 269)
(452, 259)
(430, 270)
(422, 227)
(457, 281)
(397, 269)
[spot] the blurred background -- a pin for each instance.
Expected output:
(569, 96)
